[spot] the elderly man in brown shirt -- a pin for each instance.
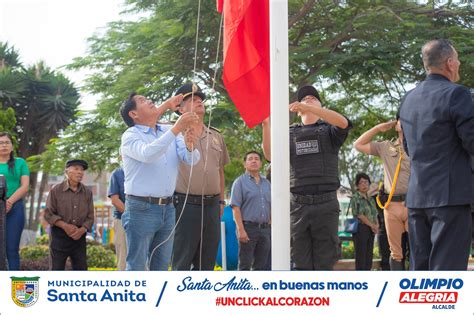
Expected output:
(198, 230)
(70, 212)
(395, 212)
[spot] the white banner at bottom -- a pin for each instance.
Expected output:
(248, 293)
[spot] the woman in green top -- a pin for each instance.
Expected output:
(363, 207)
(17, 177)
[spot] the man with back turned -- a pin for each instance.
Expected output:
(438, 124)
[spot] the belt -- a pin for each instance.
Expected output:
(207, 200)
(154, 200)
(312, 199)
(398, 198)
(259, 225)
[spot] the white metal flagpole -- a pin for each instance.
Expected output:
(223, 246)
(279, 98)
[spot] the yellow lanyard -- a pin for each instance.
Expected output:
(394, 183)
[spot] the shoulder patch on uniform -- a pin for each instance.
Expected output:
(215, 141)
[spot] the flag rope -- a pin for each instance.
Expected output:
(207, 140)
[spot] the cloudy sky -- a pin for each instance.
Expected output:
(56, 31)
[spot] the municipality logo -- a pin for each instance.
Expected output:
(25, 291)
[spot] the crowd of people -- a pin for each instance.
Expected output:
(169, 193)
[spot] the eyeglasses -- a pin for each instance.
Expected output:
(5, 142)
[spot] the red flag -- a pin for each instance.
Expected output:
(246, 72)
(220, 5)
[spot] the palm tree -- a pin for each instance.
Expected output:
(9, 56)
(12, 84)
(58, 111)
(49, 107)
(45, 103)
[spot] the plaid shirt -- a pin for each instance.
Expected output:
(361, 205)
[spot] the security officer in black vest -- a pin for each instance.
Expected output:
(314, 180)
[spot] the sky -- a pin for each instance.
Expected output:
(56, 31)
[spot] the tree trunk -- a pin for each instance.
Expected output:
(43, 184)
(33, 180)
(29, 151)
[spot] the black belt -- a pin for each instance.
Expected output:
(154, 200)
(259, 225)
(312, 199)
(399, 198)
(207, 200)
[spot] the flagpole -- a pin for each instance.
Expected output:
(279, 99)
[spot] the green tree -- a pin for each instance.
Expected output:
(43, 102)
(12, 83)
(49, 106)
(8, 121)
(362, 55)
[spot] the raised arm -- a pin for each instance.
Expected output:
(328, 115)
(266, 139)
(362, 144)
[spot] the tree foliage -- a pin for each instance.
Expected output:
(361, 55)
(8, 121)
(38, 103)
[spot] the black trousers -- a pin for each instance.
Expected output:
(384, 251)
(440, 238)
(62, 246)
(363, 247)
(189, 250)
(314, 239)
(384, 247)
(253, 255)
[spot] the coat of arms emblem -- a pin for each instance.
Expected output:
(25, 290)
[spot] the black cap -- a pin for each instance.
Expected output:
(77, 162)
(307, 90)
(187, 91)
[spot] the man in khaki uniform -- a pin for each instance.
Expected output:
(198, 230)
(395, 212)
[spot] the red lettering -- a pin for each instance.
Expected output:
(428, 297)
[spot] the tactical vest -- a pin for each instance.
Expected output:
(313, 156)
